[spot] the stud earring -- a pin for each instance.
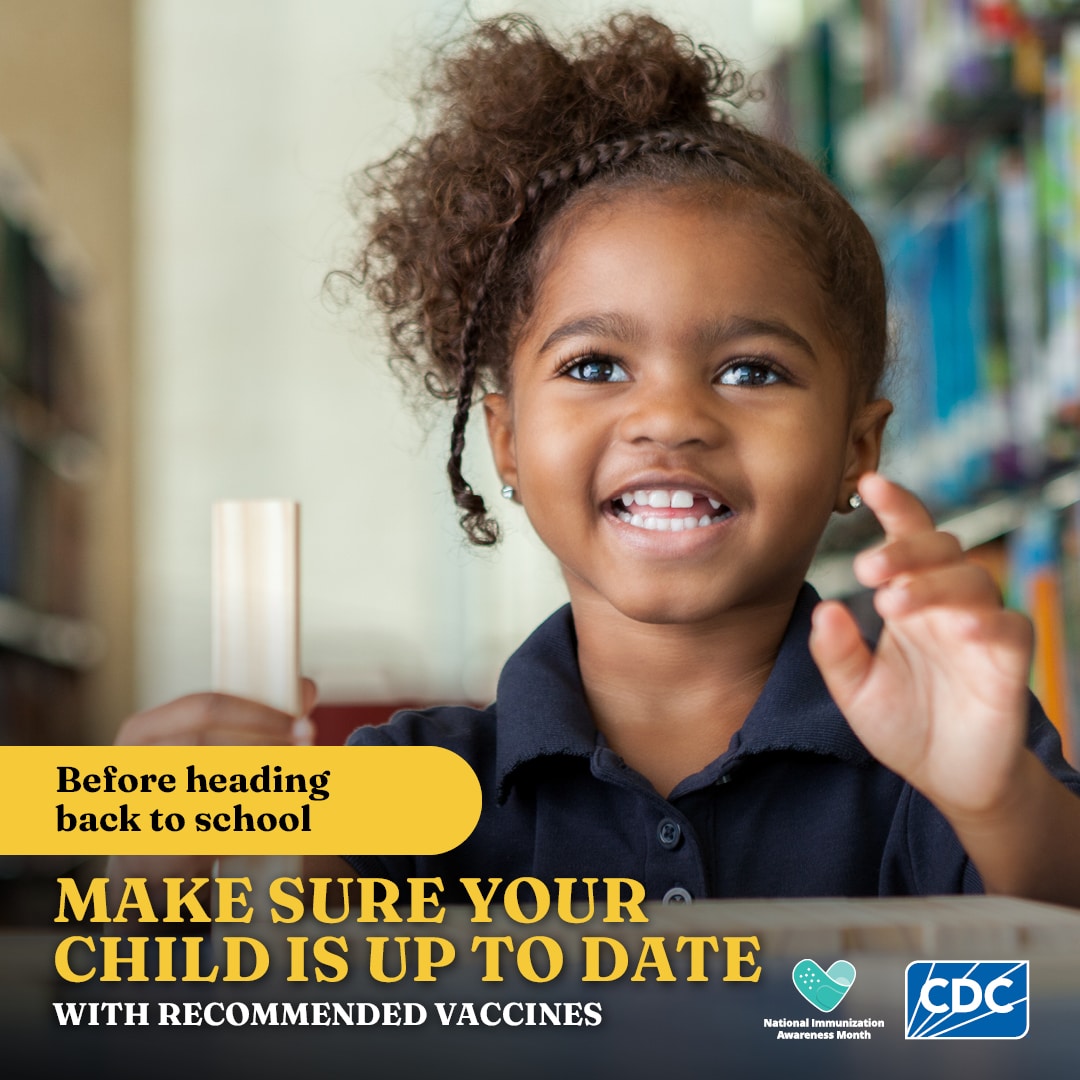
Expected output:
(507, 491)
(854, 500)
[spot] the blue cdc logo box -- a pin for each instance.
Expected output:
(966, 999)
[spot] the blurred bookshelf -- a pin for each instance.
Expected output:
(954, 128)
(48, 460)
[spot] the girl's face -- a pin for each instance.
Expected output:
(680, 426)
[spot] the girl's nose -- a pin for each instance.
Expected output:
(674, 413)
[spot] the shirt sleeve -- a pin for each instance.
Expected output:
(466, 731)
(1045, 742)
(930, 860)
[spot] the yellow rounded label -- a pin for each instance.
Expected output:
(226, 800)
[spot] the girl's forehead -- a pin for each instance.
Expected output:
(601, 203)
(740, 240)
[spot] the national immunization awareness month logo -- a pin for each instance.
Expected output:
(823, 989)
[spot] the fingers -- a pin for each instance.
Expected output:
(961, 585)
(899, 511)
(918, 566)
(213, 719)
(912, 553)
(839, 651)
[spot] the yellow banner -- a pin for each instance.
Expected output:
(233, 800)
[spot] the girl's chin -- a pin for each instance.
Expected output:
(667, 610)
(682, 595)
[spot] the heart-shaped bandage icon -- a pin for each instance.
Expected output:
(823, 989)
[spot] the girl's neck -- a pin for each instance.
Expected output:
(668, 698)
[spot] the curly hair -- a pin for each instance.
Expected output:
(518, 125)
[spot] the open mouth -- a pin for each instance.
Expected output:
(668, 510)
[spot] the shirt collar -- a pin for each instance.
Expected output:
(542, 711)
(794, 710)
(540, 705)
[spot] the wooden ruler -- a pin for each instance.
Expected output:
(255, 632)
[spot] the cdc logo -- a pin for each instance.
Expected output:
(966, 999)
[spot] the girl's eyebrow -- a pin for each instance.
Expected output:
(611, 324)
(622, 327)
(736, 326)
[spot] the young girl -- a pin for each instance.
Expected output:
(679, 329)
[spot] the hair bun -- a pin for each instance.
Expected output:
(511, 83)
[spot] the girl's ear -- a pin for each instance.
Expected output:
(499, 417)
(864, 447)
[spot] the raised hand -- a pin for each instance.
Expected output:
(942, 701)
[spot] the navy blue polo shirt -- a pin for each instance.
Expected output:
(794, 807)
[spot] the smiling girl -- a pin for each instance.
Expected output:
(677, 328)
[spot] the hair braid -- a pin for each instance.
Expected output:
(478, 525)
(616, 151)
(480, 528)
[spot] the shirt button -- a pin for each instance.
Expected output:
(669, 833)
(678, 895)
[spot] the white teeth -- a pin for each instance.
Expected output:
(662, 498)
(664, 523)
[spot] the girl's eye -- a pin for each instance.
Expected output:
(750, 373)
(597, 369)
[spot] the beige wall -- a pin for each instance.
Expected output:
(66, 109)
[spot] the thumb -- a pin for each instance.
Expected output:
(839, 652)
(303, 729)
(309, 695)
